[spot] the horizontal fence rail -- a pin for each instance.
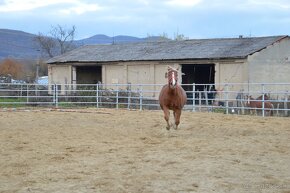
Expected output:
(255, 98)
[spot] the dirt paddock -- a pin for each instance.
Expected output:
(104, 150)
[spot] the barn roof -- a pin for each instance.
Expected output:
(221, 48)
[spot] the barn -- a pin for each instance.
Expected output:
(201, 61)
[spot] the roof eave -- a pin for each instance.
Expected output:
(259, 50)
(150, 60)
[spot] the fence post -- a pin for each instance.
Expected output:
(140, 97)
(193, 97)
(97, 94)
(129, 95)
(206, 98)
(21, 90)
(55, 95)
(199, 100)
(263, 100)
(227, 98)
(117, 97)
(27, 94)
(285, 104)
(36, 89)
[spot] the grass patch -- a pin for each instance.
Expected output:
(12, 102)
(219, 110)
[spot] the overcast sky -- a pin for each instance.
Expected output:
(192, 18)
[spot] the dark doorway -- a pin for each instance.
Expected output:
(198, 74)
(89, 74)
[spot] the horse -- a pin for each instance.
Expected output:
(266, 97)
(172, 97)
(255, 104)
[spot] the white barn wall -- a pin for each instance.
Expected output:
(139, 74)
(271, 65)
(151, 72)
(59, 74)
(231, 72)
(129, 72)
(113, 74)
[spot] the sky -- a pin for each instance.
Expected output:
(194, 19)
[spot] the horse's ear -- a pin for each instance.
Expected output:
(177, 68)
(169, 67)
(166, 74)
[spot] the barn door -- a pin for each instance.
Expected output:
(198, 74)
(88, 74)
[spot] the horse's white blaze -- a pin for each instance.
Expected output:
(173, 79)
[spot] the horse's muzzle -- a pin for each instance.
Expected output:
(172, 86)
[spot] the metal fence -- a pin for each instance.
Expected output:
(225, 98)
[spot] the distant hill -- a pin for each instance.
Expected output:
(21, 45)
(17, 44)
(103, 39)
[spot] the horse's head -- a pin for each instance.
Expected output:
(172, 77)
(249, 99)
(267, 96)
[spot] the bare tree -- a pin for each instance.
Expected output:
(160, 37)
(47, 44)
(58, 41)
(164, 37)
(180, 37)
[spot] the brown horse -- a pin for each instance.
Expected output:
(256, 104)
(172, 97)
(266, 97)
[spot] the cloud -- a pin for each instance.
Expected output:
(280, 4)
(73, 6)
(80, 8)
(25, 5)
(144, 2)
(193, 18)
(183, 3)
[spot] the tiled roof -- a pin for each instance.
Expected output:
(169, 50)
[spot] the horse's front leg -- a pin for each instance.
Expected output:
(177, 114)
(166, 117)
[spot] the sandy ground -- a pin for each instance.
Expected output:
(89, 150)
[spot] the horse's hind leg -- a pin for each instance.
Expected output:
(166, 117)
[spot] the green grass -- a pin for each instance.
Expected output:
(66, 105)
(219, 110)
(12, 102)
